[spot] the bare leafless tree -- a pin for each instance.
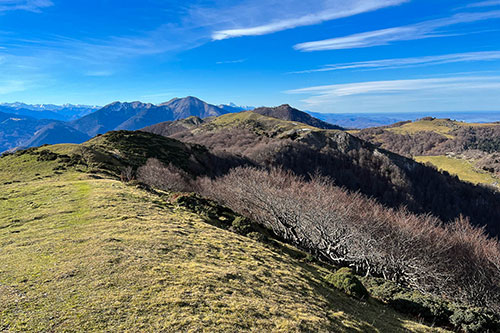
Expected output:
(127, 174)
(457, 260)
(171, 178)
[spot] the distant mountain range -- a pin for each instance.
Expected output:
(64, 112)
(136, 115)
(25, 125)
(48, 107)
(231, 107)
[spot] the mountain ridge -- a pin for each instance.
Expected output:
(352, 162)
(136, 115)
(16, 130)
(65, 112)
(52, 133)
(131, 116)
(286, 112)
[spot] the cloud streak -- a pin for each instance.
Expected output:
(28, 5)
(489, 3)
(445, 93)
(409, 62)
(194, 28)
(304, 16)
(237, 61)
(11, 86)
(394, 86)
(426, 29)
(102, 73)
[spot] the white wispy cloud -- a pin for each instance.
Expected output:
(409, 62)
(237, 61)
(300, 13)
(11, 86)
(29, 5)
(426, 29)
(459, 93)
(48, 58)
(194, 27)
(99, 73)
(395, 86)
(89, 54)
(21, 73)
(489, 3)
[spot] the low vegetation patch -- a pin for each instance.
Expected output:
(440, 126)
(431, 140)
(345, 280)
(433, 309)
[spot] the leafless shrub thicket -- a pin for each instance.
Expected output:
(171, 178)
(240, 142)
(464, 138)
(127, 174)
(358, 167)
(421, 143)
(456, 260)
(489, 162)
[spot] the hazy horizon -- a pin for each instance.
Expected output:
(436, 113)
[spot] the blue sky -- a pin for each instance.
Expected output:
(326, 56)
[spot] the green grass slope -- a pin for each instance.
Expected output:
(82, 251)
(134, 149)
(260, 124)
(439, 126)
(464, 169)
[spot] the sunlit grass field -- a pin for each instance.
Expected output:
(81, 252)
(464, 169)
(257, 122)
(440, 126)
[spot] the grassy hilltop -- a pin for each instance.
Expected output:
(82, 251)
(467, 150)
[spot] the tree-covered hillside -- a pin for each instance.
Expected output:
(83, 251)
